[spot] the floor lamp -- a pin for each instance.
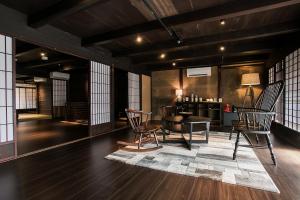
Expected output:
(250, 80)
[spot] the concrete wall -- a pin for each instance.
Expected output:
(231, 89)
(164, 84)
(205, 87)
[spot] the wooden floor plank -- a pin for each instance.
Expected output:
(80, 171)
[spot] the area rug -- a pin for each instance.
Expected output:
(212, 160)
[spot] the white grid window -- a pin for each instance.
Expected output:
(100, 93)
(133, 91)
(6, 90)
(25, 96)
(279, 76)
(292, 90)
(271, 75)
(59, 88)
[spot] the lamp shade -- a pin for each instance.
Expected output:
(178, 92)
(250, 79)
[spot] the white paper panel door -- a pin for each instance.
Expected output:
(133, 91)
(100, 93)
(6, 90)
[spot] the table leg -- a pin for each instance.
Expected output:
(191, 132)
(207, 130)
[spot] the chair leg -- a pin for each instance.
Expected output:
(236, 145)
(155, 138)
(270, 146)
(230, 135)
(257, 139)
(140, 141)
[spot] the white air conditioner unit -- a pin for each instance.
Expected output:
(59, 75)
(198, 72)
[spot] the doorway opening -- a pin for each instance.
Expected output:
(120, 97)
(51, 97)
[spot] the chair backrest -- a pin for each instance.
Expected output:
(269, 96)
(266, 102)
(135, 118)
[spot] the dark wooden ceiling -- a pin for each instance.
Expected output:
(253, 29)
(29, 62)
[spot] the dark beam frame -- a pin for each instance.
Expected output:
(231, 36)
(227, 10)
(252, 60)
(60, 10)
(202, 53)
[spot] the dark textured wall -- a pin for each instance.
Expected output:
(231, 89)
(44, 97)
(164, 84)
(205, 87)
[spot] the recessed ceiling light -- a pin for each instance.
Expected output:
(222, 48)
(174, 64)
(162, 56)
(222, 22)
(139, 39)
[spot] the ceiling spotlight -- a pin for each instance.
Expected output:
(222, 48)
(174, 64)
(162, 56)
(222, 22)
(139, 39)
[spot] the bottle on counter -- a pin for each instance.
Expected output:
(186, 98)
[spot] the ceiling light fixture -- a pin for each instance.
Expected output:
(139, 39)
(222, 22)
(174, 64)
(222, 48)
(162, 56)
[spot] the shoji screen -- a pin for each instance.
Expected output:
(25, 96)
(100, 93)
(59, 88)
(6, 91)
(134, 91)
(292, 90)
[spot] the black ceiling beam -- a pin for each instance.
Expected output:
(60, 10)
(243, 47)
(205, 52)
(227, 10)
(40, 64)
(214, 61)
(231, 36)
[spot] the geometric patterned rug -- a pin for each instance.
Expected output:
(212, 160)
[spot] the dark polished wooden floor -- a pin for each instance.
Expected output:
(38, 134)
(79, 171)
